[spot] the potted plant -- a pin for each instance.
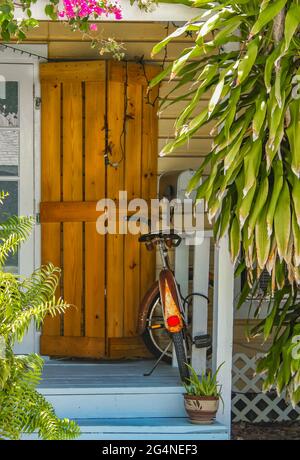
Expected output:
(202, 396)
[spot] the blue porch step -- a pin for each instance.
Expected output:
(114, 401)
(166, 429)
(150, 429)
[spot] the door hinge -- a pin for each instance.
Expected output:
(37, 218)
(37, 103)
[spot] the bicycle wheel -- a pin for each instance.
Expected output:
(155, 336)
(178, 341)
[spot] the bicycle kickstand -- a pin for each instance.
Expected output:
(147, 374)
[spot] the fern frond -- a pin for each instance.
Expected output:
(21, 322)
(3, 195)
(17, 225)
(13, 232)
(23, 300)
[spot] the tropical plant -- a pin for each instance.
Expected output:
(23, 300)
(205, 385)
(245, 58)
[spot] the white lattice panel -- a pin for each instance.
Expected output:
(248, 402)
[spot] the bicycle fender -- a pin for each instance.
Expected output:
(170, 299)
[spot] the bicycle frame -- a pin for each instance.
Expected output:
(172, 307)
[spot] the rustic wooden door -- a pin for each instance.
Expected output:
(89, 108)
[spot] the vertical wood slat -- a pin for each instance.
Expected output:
(149, 177)
(133, 149)
(115, 182)
(72, 191)
(94, 190)
(51, 184)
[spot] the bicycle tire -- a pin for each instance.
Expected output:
(150, 345)
(178, 342)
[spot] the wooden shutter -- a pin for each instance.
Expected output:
(87, 106)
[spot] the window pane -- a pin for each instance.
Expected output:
(9, 103)
(9, 152)
(10, 207)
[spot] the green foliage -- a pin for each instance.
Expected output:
(246, 59)
(10, 27)
(206, 385)
(23, 300)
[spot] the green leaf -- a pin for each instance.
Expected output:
(225, 216)
(296, 235)
(251, 165)
(158, 78)
(269, 67)
(245, 206)
(259, 116)
(293, 133)
(262, 239)
(277, 187)
(258, 205)
(282, 221)
(5, 8)
(267, 15)
(247, 62)
(296, 198)
(234, 238)
(177, 32)
(292, 21)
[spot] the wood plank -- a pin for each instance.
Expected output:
(174, 110)
(74, 211)
(94, 189)
(78, 347)
(72, 191)
(133, 151)
(134, 50)
(136, 73)
(127, 347)
(115, 183)
(51, 184)
(195, 147)
(167, 86)
(167, 129)
(127, 31)
(73, 71)
(68, 211)
(168, 164)
(149, 179)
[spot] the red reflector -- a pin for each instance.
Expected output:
(173, 321)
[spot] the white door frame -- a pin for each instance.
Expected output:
(14, 61)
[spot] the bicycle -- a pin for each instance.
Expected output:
(163, 319)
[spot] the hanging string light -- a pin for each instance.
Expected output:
(4, 46)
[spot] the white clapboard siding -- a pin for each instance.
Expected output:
(124, 31)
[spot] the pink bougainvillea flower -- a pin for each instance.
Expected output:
(93, 27)
(81, 9)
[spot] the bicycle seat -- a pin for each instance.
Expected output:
(149, 237)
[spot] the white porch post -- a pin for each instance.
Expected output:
(200, 285)
(223, 325)
(181, 275)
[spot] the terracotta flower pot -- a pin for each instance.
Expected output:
(201, 409)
